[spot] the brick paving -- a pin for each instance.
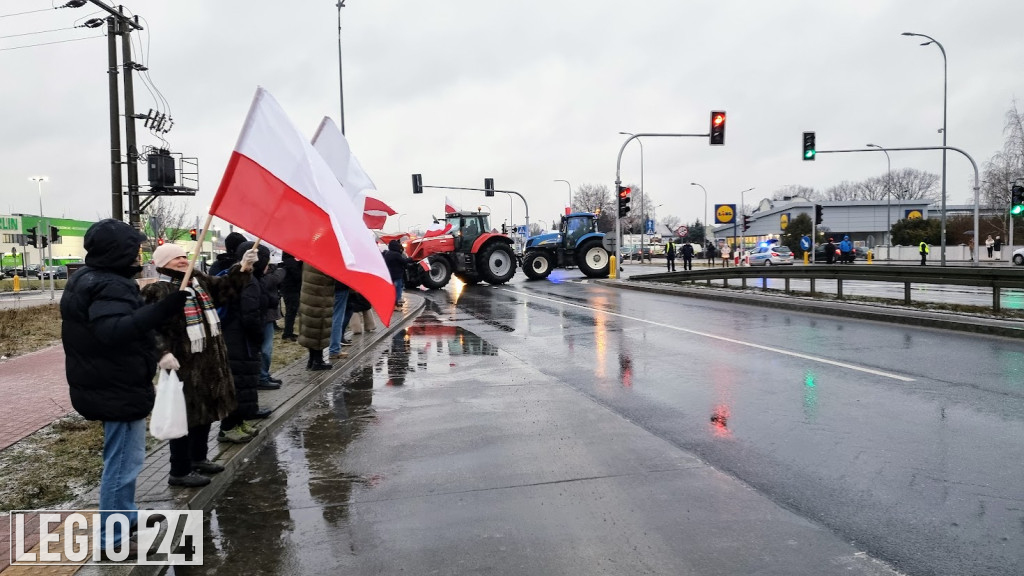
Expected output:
(33, 393)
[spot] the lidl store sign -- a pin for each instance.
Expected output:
(725, 213)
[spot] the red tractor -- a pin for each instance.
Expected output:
(468, 249)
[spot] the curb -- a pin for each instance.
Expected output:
(234, 457)
(878, 312)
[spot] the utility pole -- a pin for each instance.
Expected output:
(117, 206)
(134, 213)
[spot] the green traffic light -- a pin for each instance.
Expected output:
(809, 154)
(1017, 209)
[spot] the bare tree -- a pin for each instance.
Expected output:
(843, 192)
(597, 198)
(913, 184)
(167, 219)
(795, 191)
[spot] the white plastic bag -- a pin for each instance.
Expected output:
(169, 420)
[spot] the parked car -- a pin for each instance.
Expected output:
(771, 256)
(58, 272)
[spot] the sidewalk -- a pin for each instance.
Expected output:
(34, 391)
(152, 490)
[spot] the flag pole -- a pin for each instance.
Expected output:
(195, 252)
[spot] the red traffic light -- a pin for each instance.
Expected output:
(193, 233)
(624, 191)
(717, 133)
(718, 119)
(159, 241)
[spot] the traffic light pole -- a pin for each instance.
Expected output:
(527, 206)
(977, 189)
(618, 182)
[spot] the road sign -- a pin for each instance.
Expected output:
(649, 226)
(682, 230)
(521, 230)
(805, 243)
(609, 243)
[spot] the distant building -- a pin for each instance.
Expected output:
(68, 247)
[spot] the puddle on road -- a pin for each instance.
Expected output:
(287, 510)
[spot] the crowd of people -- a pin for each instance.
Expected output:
(217, 333)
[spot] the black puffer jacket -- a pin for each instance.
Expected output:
(243, 333)
(107, 332)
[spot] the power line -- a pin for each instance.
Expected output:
(49, 43)
(37, 32)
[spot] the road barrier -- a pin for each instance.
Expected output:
(994, 278)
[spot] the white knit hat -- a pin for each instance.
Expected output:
(164, 254)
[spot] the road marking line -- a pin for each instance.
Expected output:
(725, 339)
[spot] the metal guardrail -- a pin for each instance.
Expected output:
(994, 278)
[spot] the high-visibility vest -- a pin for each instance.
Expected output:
(924, 247)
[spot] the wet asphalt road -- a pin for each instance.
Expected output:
(905, 442)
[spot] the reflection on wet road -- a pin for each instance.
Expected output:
(904, 441)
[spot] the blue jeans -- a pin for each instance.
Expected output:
(338, 320)
(124, 453)
(266, 351)
(398, 290)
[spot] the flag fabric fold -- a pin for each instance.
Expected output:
(336, 152)
(279, 188)
(449, 206)
(437, 229)
(375, 213)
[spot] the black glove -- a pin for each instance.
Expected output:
(173, 304)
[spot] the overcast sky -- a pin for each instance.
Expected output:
(524, 92)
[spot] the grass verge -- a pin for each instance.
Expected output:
(24, 330)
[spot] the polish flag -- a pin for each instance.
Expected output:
(375, 213)
(437, 229)
(333, 146)
(277, 186)
(449, 206)
(387, 238)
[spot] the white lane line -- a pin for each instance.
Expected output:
(724, 338)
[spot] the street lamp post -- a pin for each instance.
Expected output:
(705, 209)
(570, 192)
(888, 200)
(742, 210)
(643, 196)
(945, 77)
(341, 81)
(41, 231)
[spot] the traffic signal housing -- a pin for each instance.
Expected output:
(54, 234)
(746, 222)
(488, 186)
(32, 238)
(1017, 199)
(717, 128)
(817, 214)
(624, 199)
(810, 150)
(417, 184)
(193, 233)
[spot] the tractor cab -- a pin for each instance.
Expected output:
(575, 226)
(467, 227)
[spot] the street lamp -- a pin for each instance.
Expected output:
(705, 207)
(643, 196)
(341, 80)
(888, 199)
(39, 186)
(945, 85)
(570, 192)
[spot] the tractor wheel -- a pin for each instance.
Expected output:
(537, 265)
(497, 263)
(438, 275)
(593, 259)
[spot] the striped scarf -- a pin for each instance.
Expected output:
(197, 305)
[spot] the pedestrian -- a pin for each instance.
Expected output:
(229, 257)
(111, 356)
(997, 245)
(269, 279)
(710, 254)
(196, 349)
(923, 249)
(687, 251)
(830, 252)
(340, 316)
(989, 243)
(970, 247)
(397, 262)
(316, 305)
(243, 328)
(846, 250)
(290, 289)
(670, 256)
(726, 253)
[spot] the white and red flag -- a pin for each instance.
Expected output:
(437, 229)
(278, 187)
(449, 206)
(334, 147)
(375, 213)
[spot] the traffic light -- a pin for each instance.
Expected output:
(417, 184)
(717, 128)
(192, 233)
(54, 234)
(817, 214)
(809, 148)
(32, 238)
(159, 241)
(1017, 199)
(488, 186)
(624, 199)
(746, 222)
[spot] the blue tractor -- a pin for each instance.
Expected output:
(577, 243)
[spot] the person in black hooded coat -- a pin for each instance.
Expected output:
(111, 357)
(242, 326)
(229, 257)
